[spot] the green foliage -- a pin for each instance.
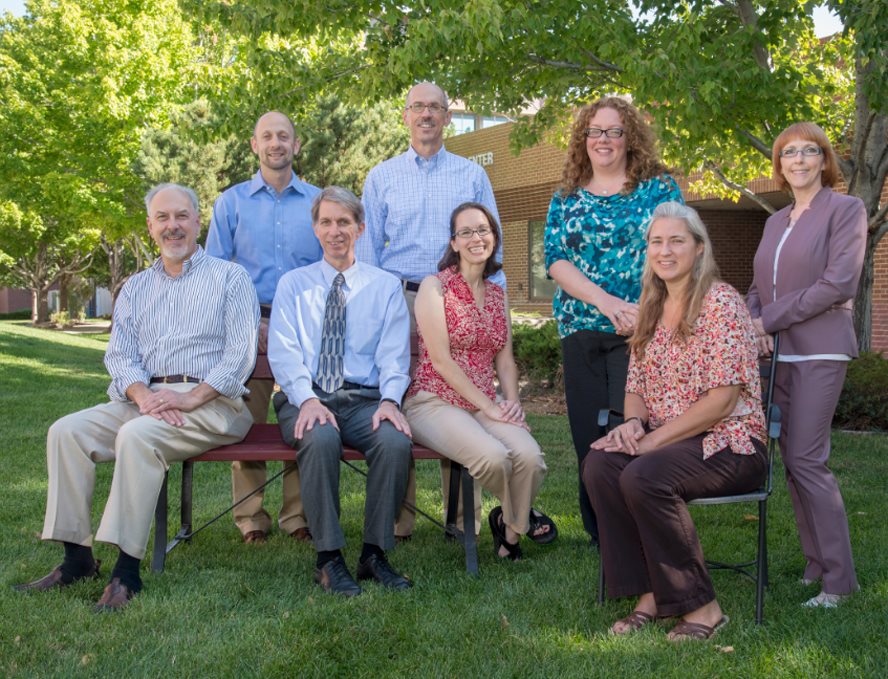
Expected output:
(864, 401)
(537, 350)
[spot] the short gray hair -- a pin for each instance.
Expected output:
(192, 196)
(341, 196)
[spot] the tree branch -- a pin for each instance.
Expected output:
(757, 143)
(603, 65)
(746, 12)
(878, 222)
(715, 169)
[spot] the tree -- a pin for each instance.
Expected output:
(79, 81)
(719, 77)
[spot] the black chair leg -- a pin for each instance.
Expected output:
(762, 566)
(158, 556)
(468, 497)
(601, 584)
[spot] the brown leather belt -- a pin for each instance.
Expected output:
(174, 379)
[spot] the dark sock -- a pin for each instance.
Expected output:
(127, 569)
(369, 550)
(79, 562)
(325, 557)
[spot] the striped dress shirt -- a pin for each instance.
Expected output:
(202, 323)
(408, 200)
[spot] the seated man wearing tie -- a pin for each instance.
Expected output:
(182, 345)
(338, 345)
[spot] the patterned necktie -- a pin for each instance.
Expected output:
(332, 339)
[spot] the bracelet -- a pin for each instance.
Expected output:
(634, 417)
(392, 401)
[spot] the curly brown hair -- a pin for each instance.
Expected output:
(642, 161)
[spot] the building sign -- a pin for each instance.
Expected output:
(483, 159)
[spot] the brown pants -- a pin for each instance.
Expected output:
(648, 540)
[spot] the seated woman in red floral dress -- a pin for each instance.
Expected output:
(693, 427)
(464, 336)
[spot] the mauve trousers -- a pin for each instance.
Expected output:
(648, 540)
(807, 393)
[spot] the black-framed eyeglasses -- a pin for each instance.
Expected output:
(467, 233)
(419, 107)
(809, 151)
(610, 133)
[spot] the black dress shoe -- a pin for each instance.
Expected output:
(378, 568)
(334, 578)
(53, 580)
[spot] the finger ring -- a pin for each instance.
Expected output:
(162, 401)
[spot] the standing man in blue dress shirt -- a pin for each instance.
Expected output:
(338, 346)
(265, 226)
(408, 200)
(182, 345)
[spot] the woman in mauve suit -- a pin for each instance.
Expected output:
(806, 272)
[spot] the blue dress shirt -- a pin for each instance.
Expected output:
(377, 327)
(265, 232)
(408, 200)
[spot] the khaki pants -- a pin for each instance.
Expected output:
(247, 476)
(141, 448)
(504, 458)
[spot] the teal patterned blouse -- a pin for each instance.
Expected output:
(603, 236)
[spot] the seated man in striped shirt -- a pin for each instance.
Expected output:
(182, 346)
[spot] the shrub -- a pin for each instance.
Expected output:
(538, 352)
(864, 401)
(20, 315)
(61, 319)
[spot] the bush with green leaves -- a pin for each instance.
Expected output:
(537, 351)
(864, 401)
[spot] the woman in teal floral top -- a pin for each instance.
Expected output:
(595, 245)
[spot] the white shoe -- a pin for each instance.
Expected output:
(824, 600)
(807, 582)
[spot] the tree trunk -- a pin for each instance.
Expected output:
(40, 305)
(863, 301)
(63, 293)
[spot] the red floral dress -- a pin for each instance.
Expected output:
(476, 337)
(721, 351)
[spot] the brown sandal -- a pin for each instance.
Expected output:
(634, 622)
(695, 631)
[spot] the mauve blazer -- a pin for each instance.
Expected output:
(817, 277)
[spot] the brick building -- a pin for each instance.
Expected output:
(524, 185)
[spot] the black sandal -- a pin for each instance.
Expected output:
(539, 520)
(498, 531)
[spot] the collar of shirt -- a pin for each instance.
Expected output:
(329, 273)
(258, 183)
(426, 163)
(187, 265)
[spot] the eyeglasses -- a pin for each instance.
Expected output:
(481, 231)
(596, 132)
(792, 151)
(419, 107)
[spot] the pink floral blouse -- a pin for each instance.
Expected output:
(476, 337)
(721, 351)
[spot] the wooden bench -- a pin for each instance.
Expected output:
(263, 443)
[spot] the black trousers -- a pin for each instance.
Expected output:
(648, 540)
(595, 365)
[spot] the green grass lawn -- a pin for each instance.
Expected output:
(223, 608)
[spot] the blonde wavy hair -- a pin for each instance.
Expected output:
(653, 291)
(642, 161)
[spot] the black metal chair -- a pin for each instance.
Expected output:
(755, 569)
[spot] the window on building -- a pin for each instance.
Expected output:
(541, 288)
(462, 123)
(490, 121)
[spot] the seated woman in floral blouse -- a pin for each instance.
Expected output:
(464, 335)
(693, 427)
